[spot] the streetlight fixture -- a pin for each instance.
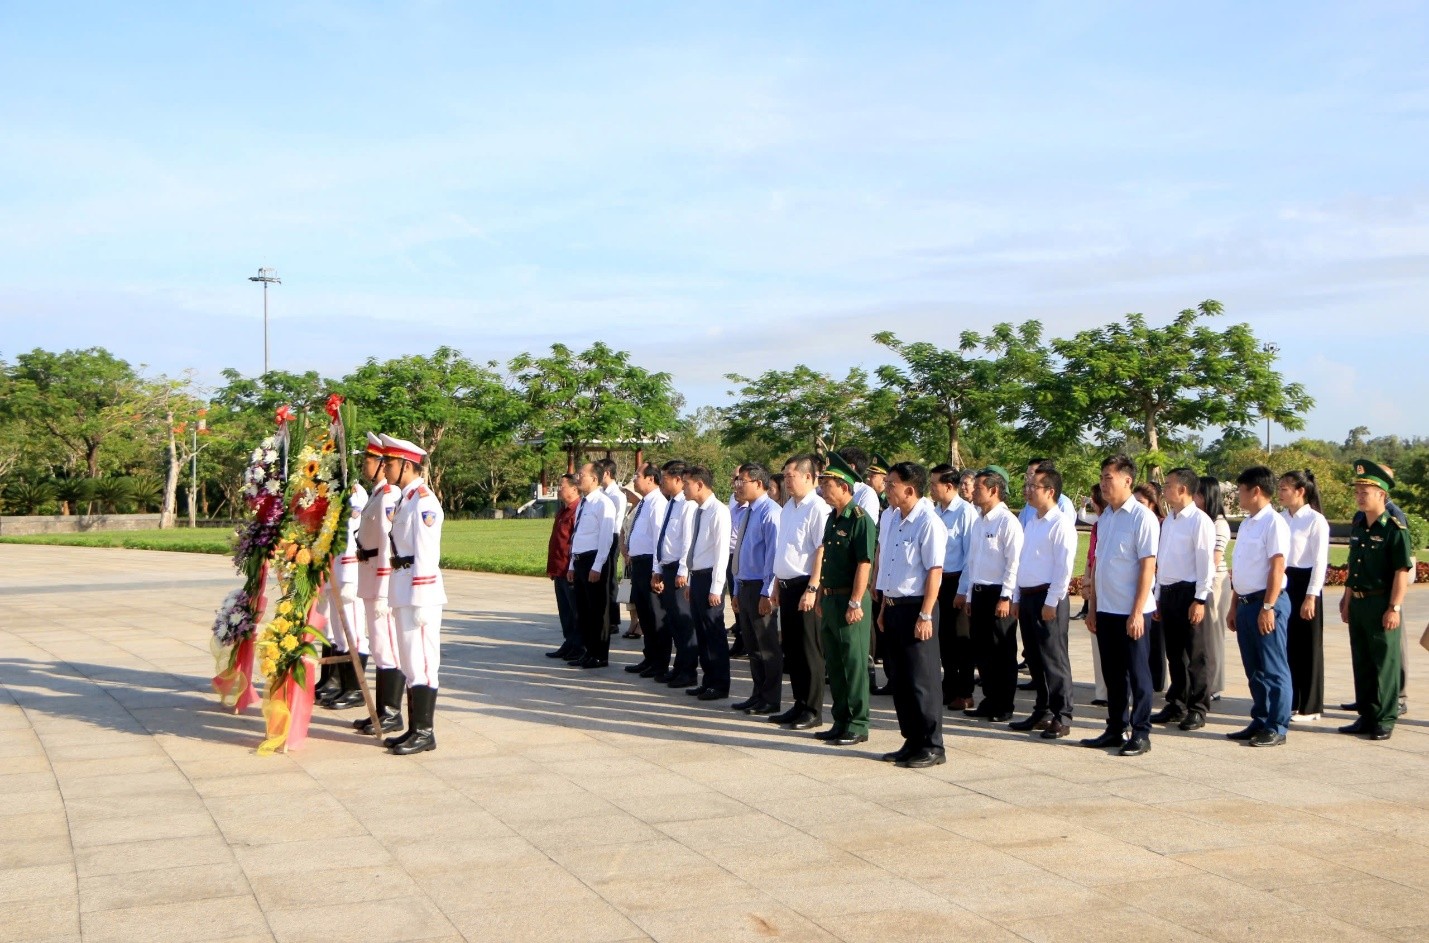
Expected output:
(1271, 350)
(266, 276)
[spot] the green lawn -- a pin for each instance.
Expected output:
(517, 546)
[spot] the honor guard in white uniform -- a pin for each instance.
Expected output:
(374, 568)
(348, 692)
(415, 591)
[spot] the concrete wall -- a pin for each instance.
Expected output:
(24, 525)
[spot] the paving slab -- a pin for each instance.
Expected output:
(592, 805)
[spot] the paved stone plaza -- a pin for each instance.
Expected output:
(589, 806)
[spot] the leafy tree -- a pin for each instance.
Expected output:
(801, 410)
(980, 383)
(77, 398)
(573, 401)
(1184, 376)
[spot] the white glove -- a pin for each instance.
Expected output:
(349, 592)
(381, 610)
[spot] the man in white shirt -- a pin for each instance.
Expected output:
(1064, 503)
(708, 567)
(864, 494)
(1121, 580)
(1185, 567)
(910, 571)
(800, 534)
(1261, 616)
(621, 503)
(672, 578)
(640, 549)
(985, 591)
(1044, 571)
(591, 566)
(955, 648)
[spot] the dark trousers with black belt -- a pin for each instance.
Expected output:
(761, 641)
(1127, 671)
(917, 682)
(648, 608)
(566, 611)
(679, 624)
(955, 644)
(803, 646)
(1305, 645)
(1047, 658)
(994, 642)
(1187, 650)
(592, 612)
(710, 634)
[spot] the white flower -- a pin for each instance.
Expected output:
(272, 487)
(270, 443)
(270, 456)
(257, 454)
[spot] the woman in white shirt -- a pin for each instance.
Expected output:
(1305, 579)
(1218, 606)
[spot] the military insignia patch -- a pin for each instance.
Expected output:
(391, 509)
(429, 518)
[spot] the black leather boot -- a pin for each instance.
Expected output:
(327, 685)
(391, 742)
(390, 685)
(422, 739)
(351, 693)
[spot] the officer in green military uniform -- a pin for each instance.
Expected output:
(1380, 565)
(842, 570)
(877, 475)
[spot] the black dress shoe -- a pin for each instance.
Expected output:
(1351, 706)
(922, 759)
(1267, 738)
(1027, 686)
(695, 691)
(651, 671)
(805, 721)
(833, 733)
(1109, 738)
(576, 657)
(1034, 722)
(1136, 746)
(882, 690)
(683, 681)
(1055, 730)
(741, 705)
(661, 677)
(898, 755)
(788, 716)
(1099, 702)
(638, 667)
(710, 694)
(1359, 726)
(1195, 720)
(561, 652)
(1381, 733)
(763, 708)
(1168, 715)
(848, 739)
(1245, 734)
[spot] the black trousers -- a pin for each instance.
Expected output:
(648, 608)
(1156, 654)
(566, 611)
(592, 614)
(613, 590)
(916, 679)
(761, 641)
(1305, 646)
(955, 644)
(1047, 657)
(680, 627)
(1187, 649)
(995, 649)
(803, 646)
(1127, 671)
(711, 637)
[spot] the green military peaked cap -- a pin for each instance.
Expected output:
(840, 469)
(878, 465)
(1369, 473)
(999, 471)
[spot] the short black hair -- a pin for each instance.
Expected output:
(674, 469)
(1257, 476)
(755, 471)
(911, 473)
(806, 462)
(1184, 477)
(700, 473)
(1034, 462)
(1122, 463)
(995, 481)
(1048, 475)
(857, 458)
(569, 479)
(650, 470)
(606, 466)
(942, 468)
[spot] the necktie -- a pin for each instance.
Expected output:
(694, 536)
(739, 539)
(664, 526)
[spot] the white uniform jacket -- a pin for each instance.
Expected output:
(373, 529)
(417, 536)
(344, 565)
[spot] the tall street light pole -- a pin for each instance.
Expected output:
(266, 276)
(1272, 350)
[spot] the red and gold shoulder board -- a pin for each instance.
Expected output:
(423, 493)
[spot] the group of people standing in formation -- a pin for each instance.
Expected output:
(837, 560)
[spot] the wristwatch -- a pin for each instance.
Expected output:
(1396, 608)
(855, 604)
(925, 617)
(811, 588)
(1267, 607)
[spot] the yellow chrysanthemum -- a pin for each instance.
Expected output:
(303, 558)
(285, 607)
(289, 643)
(269, 668)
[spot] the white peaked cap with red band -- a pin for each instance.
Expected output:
(401, 448)
(374, 445)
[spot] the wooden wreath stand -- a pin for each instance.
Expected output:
(352, 655)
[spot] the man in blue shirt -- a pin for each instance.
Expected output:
(954, 640)
(756, 530)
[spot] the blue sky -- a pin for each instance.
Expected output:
(717, 187)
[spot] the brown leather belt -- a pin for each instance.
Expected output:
(1366, 593)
